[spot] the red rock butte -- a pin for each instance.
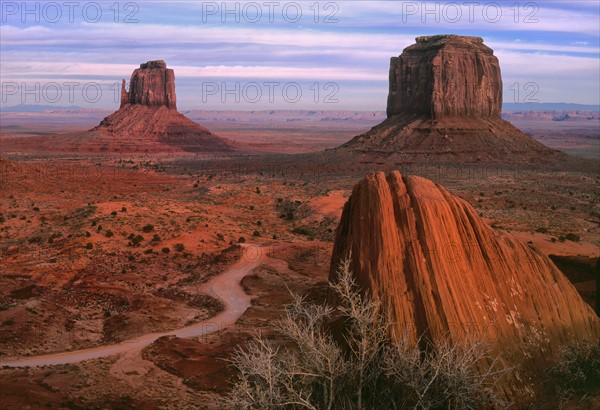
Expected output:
(444, 103)
(446, 75)
(146, 122)
(440, 271)
(151, 84)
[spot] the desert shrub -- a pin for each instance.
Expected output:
(370, 371)
(572, 237)
(108, 233)
(136, 240)
(256, 234)
(302, 230)
(113, 213)
(241, 239)
(220, 237)
(542, 230)
(166, 250)
(89, 245)
(577, 369)
(156, 238)
(179, 247)
(148, 228)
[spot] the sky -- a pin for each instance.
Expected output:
(271, 55)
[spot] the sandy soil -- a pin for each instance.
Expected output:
(68, 284)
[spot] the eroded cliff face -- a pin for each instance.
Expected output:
(441, 271)
(152, 84)
(446, 75)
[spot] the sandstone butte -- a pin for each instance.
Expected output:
(444, 103)
(146, 122)
(440, 272)
(148, 119)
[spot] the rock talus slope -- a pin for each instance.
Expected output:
(441, 271)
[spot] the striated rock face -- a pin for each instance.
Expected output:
(444, 104)
(440, 270)
(446, 75)
(151, 84)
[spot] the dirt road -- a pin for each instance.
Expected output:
(225, 287)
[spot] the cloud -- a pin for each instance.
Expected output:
(48, 70)
(561, 47)
(482, 16)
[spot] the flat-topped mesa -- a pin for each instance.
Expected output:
(152, 84)
(446, 75)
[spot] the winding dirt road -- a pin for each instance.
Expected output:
(225, 287)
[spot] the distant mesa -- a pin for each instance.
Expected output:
(148, 119)
(444, 103)
(441, 271)
(146, 122)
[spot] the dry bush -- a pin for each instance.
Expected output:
(369, 372)
(577, 371)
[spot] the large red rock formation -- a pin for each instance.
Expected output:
(446, 76)
(444, 103)
(151, 84)
(146, 122)
(441, 271)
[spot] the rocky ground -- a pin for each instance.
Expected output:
(84, 242)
